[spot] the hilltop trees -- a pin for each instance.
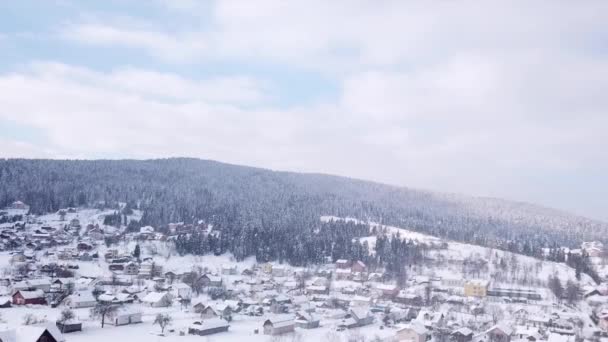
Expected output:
(275, 215)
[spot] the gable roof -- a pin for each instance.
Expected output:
(359, 313)
(208, 324)
(416, 327)
(503, 328)
(31, 294)
(82, 297)
(154, 297)
(31, 333)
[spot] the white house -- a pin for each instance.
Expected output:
(183, 290)
(78, 300)
(126, 316)
(158, 299)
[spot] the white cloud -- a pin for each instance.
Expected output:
(351, 34)
(462, 96)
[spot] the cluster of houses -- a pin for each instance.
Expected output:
(342, 295)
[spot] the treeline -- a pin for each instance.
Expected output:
(316, 244)
(250, 206)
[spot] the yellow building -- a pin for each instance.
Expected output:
(476, 288)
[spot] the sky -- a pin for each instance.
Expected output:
(505, 99)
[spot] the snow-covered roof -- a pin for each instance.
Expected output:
(82, 297)
(128, 311)
(416, 327)
(479, 282)
(32, 294)
(306, 316)
(464, 331)
(208, 324)
(279, 319)
(30, 333)
(146, 229)
(554, 337)
(360, 313)
(502, 327)
(154, 297)
(386, 287)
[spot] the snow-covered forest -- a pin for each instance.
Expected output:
(275, 215)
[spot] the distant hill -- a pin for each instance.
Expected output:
(188, 190)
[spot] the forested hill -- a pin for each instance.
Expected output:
(245, 198)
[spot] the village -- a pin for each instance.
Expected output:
(62, 280)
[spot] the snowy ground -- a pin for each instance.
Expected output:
(242, 327)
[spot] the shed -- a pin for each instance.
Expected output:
(279, 325)
(208, 327)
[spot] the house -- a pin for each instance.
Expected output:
(5, 302)
(116, 267)
(149, 269)
(79, 300)
(226, 308)
(593, 249)
(413, 332)
(146, 231)
(359, 317)
(360, 301)
(63, 283)
(43, 284)
(18, 205)
(476, 288)
(69, 326)
(198, 306)
(23, 297)
(280, 299)
(342, 263)
(514, 292)
(343, 274)
(279, 271)
(553, 337)
(317, 289)
(409, 299)
(602, 320)
(183, 290)
(229, 270)
(279, 325)
(207, 312)
(120, 298)
(430, 319)
(131, 268)
(499, 333)
(538, 321)
(158, 299)
(31, 333)
(306, 320)
(211, 280)
(208, 327)
(126, 316)
(462, 335)
(169, 275)
(524, 333)
(84, 246)
(358, 267)
(388, 291)
(452, 282)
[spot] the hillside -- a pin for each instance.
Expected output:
(239, 199)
